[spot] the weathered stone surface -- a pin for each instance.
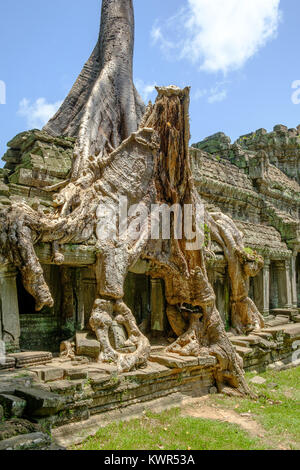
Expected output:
(40, 402)
(243, 351)
(16, 427)
(75, 374)
(31, 358)
(32, 441)
(62, 387)
(172, 361)
(7, 363)
(87, 345)
(49, 374)
(13, 406)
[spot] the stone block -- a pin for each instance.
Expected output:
(62, 387)
(32, 358)
(87, 345)
(75, 374)
(13, 406)
(32, 441)
(40, 402)
(49, 374)
(7, 363)
(280, 128)
(173, 361)
(243, 351)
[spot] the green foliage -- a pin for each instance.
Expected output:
(249, 251)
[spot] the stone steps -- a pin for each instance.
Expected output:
(285, 312)
(243, 351)
(278, 320)
(23, 360)
(31, 358)
(174, 361)
(270, 345)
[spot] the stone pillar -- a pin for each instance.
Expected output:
(80, 320)
(294, 279)
(158, 315)
(284, 284)
(266, 288)
(288, 284)
(9, 308)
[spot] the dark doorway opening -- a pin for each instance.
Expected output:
(26, 301)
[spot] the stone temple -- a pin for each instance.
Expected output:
(255, 181)
(95, 329)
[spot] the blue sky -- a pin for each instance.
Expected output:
(239, 56)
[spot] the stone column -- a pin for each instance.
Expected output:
(158, 315)
(284, 283)
(266, 288)
(288, 284)
(294, 279)
(9, 308)
(80, 320)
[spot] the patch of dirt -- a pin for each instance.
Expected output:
(204, 409)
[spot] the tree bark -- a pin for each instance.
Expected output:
(103, 107)
(182, 267)
(242, 265)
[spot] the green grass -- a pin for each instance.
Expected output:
(276, 409)
(170, 431)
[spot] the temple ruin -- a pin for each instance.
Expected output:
(140, 318)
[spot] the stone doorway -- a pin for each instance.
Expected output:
(146, 299)
(25, 300)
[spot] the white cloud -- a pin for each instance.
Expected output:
(215, 94)
(145, 89)
(221, 35)
(218, 96)
(38, 113)
(2, 92)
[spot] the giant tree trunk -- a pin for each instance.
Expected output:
(181, 265)
(103, 107)
(149, 164)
